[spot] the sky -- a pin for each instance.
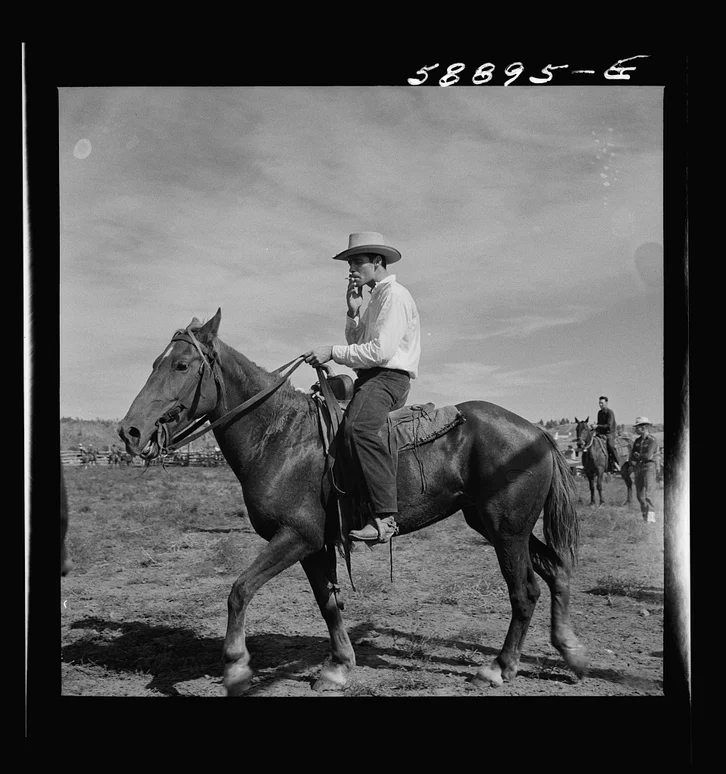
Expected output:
(530, 221)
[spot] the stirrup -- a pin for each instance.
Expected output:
(370, 533)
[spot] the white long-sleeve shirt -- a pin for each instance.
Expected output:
(386, 335)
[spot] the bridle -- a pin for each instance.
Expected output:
(592, 435)
(592, 438)
(189, 398)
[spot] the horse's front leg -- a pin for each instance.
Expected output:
(336, 671)
(591, 482)
(599, 488)
(285, 548)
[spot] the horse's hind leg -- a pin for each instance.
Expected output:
(557, 576)
(285, 548)
(516, 567)
(321, 573)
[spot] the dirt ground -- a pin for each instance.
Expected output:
(143, 613)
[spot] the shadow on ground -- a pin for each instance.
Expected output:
(174, 654)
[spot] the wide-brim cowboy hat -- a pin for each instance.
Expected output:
(642, 421)
(368, 242)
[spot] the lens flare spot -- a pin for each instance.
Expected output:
(82, 149)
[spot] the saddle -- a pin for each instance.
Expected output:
(406, 429)
(602, 441)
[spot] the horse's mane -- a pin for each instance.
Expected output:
(280, 407)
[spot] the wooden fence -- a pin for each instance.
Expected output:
(180, 458)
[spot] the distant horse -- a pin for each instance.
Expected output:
(496, 467)
(88, 457)
(114, 458)
(594, 456)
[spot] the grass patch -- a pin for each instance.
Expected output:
(415, 647)
(611, 523)
(461, 592)
(611, 586)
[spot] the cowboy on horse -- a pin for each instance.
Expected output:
(606, 428)
(383, 348)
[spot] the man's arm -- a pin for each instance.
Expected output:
(649, 450)
(385, 338)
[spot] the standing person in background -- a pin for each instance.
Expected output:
(383, 348)
(606, 427)
(643, 459)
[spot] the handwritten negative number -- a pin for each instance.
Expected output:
(484, 73)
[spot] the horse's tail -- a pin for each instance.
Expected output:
(561, 525)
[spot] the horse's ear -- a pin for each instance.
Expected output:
(208, 331)
(588, 418)
(577, 421)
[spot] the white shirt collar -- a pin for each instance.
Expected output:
(385, 280)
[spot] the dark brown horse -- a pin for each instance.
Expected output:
(594, 456)
(496, 467)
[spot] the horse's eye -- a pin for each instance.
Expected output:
(182, 367)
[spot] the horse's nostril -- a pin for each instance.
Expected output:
(128, 433)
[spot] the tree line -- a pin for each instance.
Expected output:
(550, 423)
(553, 423)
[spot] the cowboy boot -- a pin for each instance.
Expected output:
(377, 530)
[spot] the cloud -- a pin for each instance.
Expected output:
(194, 198)
(461, 381)
(519, 327)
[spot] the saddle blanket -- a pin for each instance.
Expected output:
(412, 426)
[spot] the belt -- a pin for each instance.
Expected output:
(379, 370)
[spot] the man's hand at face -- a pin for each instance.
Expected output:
(354, 298)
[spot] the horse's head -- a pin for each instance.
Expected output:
(582, 432)
(185, 383)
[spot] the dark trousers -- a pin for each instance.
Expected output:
(377, 392)
(645, 486)
(612, 451)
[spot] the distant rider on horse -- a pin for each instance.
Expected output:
(606, 428)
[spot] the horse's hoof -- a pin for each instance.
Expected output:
(237, 680)
(576, 659)
(488, 677)
(332, 678)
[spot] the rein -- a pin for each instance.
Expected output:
(592, 439)
(593, 436)
(185, 436)
(188, 434)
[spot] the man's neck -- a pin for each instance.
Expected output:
(380, 275)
